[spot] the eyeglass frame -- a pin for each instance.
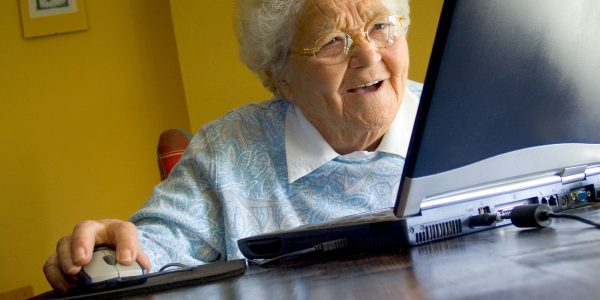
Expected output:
(313, 51)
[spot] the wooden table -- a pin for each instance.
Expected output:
(558, 262)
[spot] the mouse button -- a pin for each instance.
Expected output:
(107, 251)
(133, 270)
(98, 270)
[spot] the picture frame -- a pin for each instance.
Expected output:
(50, 17)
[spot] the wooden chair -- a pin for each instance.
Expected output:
(171, 145)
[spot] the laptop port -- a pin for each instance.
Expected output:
(552, 200)
(563, 200)
(581, 195)
(484, 210)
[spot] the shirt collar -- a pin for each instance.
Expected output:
(306, 150)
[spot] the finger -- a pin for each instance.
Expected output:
(54, 275)
(85, 236)
(128, 246)
(142, 258)
(125, 238)
(64, 257)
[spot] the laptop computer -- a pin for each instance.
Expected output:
(509, 115)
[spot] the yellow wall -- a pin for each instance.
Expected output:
(216, 81)
(80, 114)
(424, 20)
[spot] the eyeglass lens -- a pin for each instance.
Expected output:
(380, 33)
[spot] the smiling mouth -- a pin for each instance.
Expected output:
(367, 88)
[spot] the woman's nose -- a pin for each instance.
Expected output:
(363, 53)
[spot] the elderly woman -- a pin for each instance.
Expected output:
(331, 143)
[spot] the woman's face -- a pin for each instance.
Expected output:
(362, 93)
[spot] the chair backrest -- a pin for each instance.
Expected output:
(171, 145)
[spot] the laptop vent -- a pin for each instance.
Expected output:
(439, 231)
(374, 241)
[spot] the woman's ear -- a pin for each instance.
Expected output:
(282, 86)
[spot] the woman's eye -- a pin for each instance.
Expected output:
(333, 44)
(380, 26)
(334, 40)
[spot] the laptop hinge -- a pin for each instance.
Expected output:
(573, 174)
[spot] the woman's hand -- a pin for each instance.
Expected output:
(75, 250)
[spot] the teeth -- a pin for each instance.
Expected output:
(368, 84)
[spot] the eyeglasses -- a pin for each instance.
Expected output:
(335, 47)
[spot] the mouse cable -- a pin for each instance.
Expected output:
(163, 270)
(321, 247)
(171, 265)
(529, 215)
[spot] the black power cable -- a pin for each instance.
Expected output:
(332, 245)
(574, 217)
(530, 215)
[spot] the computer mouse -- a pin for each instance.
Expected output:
(103, 271)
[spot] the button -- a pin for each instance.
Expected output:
(109, 259)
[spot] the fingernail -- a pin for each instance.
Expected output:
(124, 255)
(79, 254)
(74, 270)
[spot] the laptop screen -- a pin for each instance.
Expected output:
(513, 88)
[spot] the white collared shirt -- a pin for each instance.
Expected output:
(306, 150)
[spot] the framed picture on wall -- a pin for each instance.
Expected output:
(48, 17)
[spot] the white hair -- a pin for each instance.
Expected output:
(265, 30)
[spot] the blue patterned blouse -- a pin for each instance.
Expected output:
(232, 182)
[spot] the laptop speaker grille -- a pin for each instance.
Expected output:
(439, 231)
